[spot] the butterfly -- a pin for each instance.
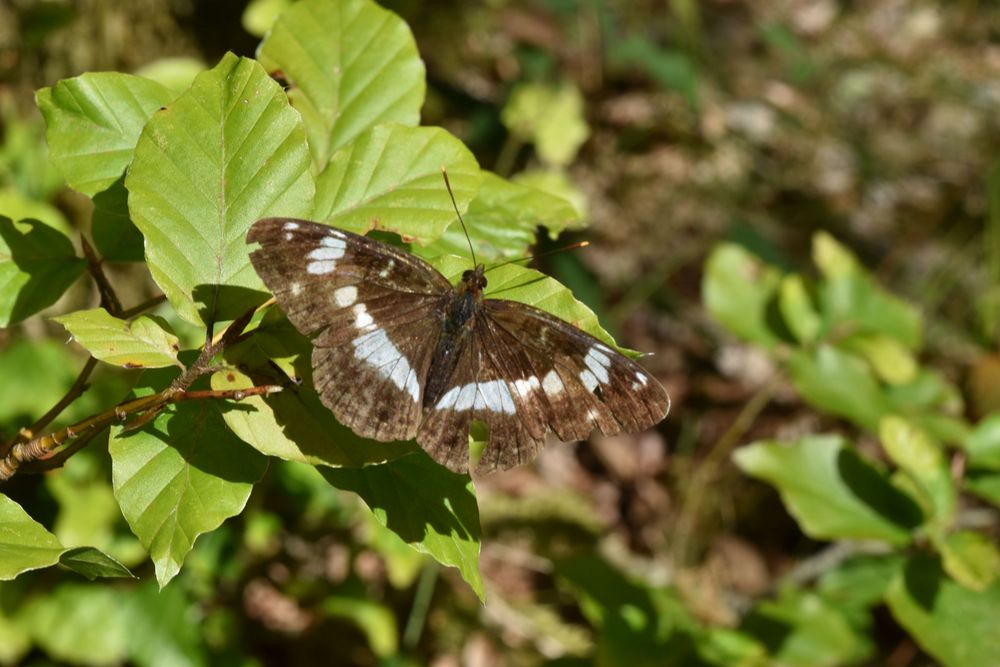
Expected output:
(400, 353)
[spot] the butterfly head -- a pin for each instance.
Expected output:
(475, 280)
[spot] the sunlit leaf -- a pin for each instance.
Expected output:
(919, 456)
(180, 476)
(351, 65)
(983, 444)
(140, 343)
(839, 383)
(24, 543)
(93, 122)
(227, 152)
(37, 264)
(971, 559)
(798, 310)
(389, 178)
(502, 221)
(550, 117)
(831, 491)
(377, 621)
(738, 290)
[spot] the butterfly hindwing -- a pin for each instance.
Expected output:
(374, 309)
(524, 373)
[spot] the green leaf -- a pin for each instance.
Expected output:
(389, 178)
(17, 206)
(502, 221)
(838, 382)
(922, 459)
(141, 343)
(831, 491)
(351, 65)
(93, 122)
(260, 15)
(295, 426)
(80, 624)
(971, 559)
(93, 563)
(116, 237)
(861, 582)
(377, 621)
(738, 290)
(517, 283)
(15, 637)
(428, 506)
(24, 543)
(180, 476)
(892, 361)
(798, 310)
(550, 117)
(850, 299)
(166, 629)
(225, 153)
(985, 484)
(37, 264)
(983, 444)
(803, 629)
(955, 625)
(175, 73)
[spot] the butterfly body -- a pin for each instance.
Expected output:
(399, 353)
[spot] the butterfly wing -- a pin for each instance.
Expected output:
(525, 372)
(376, 312)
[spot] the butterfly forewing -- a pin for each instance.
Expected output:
(374, 309)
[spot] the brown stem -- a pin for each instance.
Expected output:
(79, 386)
(109, 300)
(696, 489)
(142, 307)
(43, 446)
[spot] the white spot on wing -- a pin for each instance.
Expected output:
(345, 296)
(289, 236)
(295, 288)
(493, 395)
(321, 267)
(362, 320)
(290, 226)
(466, 397)
(384, 273)
(524, 387)
(589, 380)
(641, 378)
(375, 349)
(598, 363)
(551, 383)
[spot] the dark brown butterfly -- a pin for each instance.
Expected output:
(400, 353)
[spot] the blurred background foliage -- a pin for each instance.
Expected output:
(717, 149)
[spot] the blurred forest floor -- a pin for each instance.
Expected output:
(758, 121)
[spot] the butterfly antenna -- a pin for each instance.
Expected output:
(571, 246)
(447, 184)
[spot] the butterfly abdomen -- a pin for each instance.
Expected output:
(458, 320)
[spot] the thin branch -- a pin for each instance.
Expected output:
(142, 307)
(42, 447)
(109, 300)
